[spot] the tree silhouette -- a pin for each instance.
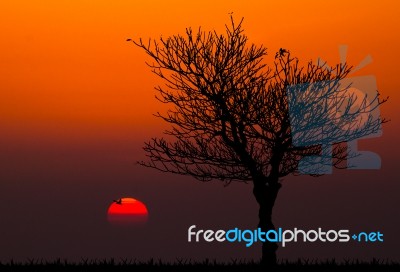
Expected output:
(230, 117)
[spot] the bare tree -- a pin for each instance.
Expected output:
(230, 117)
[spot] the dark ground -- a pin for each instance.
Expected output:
(207, 265)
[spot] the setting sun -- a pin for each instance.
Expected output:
(127, 211)
(81, 138)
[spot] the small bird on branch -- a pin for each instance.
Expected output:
(281, 53)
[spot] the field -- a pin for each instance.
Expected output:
(186, 265)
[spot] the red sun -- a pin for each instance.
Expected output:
(127, 211)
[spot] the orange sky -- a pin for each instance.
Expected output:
(66, 71)
(76, 104)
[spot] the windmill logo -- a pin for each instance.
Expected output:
(328, 112)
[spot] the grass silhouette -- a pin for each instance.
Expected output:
(188, 265)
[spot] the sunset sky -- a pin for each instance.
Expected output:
(76, 105)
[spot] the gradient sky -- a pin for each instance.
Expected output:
(76, 104)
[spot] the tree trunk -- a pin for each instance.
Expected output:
(266, 195)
